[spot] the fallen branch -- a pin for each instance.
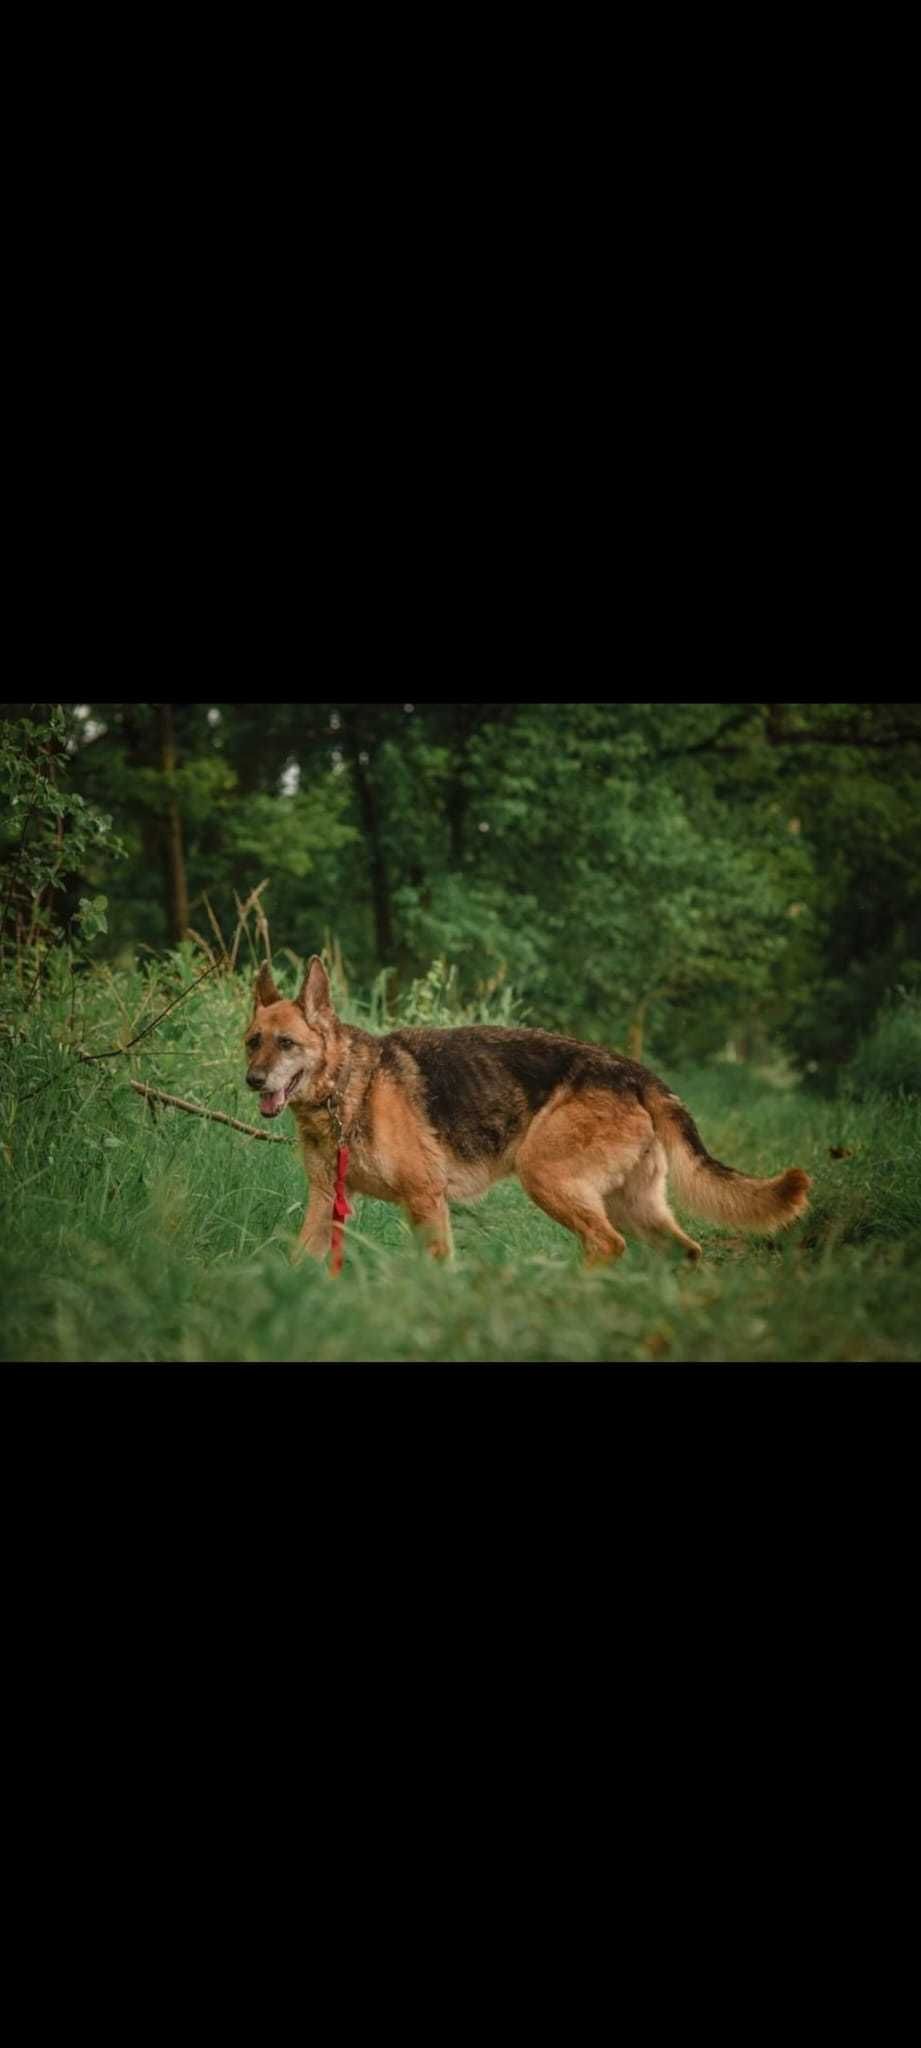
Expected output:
(152, 1095)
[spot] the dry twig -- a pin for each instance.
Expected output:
(217, 1116)
(215, 926)
(243, 914)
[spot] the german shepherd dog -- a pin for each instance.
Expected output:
(435, 1116)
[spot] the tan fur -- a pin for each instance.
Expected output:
(434, 1116)
(595, 1166)
(737, 1198)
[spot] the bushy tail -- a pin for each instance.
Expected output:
(716, 1191)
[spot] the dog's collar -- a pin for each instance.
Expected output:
(335, 1105)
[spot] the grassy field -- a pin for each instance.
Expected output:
(129, 1237)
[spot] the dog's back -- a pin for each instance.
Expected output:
(481, 1084)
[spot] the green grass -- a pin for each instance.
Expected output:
(132, 1238)
(888, 1058)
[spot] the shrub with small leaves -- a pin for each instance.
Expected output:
(48, 832)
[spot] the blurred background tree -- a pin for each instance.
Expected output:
(663, 877)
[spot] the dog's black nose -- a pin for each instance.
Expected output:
(255, 1080)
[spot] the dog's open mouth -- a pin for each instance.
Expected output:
(273, 1101)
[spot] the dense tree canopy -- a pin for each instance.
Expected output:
(658, 875)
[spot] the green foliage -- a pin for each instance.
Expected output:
(487, 934)
(198, 787)
(288, 834)
(658, 896)
(47, 830)
(91, 918)
(435, 999)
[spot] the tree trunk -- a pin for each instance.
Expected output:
(635, 1031)
(457, 809)
(457, 788)
(177, 894)
(377, 859)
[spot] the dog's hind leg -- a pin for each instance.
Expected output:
(566, 1165)
(641, 1204)
(579, 1208)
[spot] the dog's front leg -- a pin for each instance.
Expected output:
(316, 1229)
(431, 1220)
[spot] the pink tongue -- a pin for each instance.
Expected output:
(271, 1103)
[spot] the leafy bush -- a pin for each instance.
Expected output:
(48, 834)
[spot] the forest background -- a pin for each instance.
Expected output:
(671, 878)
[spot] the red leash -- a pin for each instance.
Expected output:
(341, 1208)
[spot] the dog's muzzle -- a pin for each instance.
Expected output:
(273, 1100)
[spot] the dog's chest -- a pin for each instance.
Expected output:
(372, 1173)
(367, 1173)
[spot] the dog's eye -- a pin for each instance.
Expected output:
(252, 1043)
(285, 1044)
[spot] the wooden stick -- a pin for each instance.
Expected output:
(217, 1116)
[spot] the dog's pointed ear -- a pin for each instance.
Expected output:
(314, 997)
(264, 990)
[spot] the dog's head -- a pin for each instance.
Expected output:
(288, 1044)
